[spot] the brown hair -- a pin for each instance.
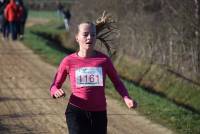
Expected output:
(105, 29)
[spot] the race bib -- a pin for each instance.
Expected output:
(89, 76)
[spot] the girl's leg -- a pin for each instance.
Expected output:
(77, 120)
(99, 122)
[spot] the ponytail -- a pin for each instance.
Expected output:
(105, 29)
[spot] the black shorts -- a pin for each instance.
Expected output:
(85, 122)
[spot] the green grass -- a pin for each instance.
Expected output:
(161, 110)
(157, 108)
(43, 14)
(159, 80)
(41, 46)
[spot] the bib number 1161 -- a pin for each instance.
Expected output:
(89, 76)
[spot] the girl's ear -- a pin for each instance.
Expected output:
(76, 38)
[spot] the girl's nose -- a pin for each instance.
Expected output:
(89, 36)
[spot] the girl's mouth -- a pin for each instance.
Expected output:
(89, 43)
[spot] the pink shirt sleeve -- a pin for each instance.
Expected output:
(60, 77)
(114, 77)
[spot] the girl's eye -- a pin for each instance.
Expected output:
(85, 34)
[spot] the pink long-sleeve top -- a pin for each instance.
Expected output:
(87, 80)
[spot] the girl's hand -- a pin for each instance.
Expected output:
(130, 103)
(59, 93)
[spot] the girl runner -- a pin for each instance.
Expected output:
(87, 70)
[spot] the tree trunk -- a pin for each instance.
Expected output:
(197, 43)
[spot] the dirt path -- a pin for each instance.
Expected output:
(27, 108)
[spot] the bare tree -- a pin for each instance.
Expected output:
(197, 36)
(164, 32)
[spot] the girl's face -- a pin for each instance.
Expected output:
(86, 36)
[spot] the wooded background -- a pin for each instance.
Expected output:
(163, 32)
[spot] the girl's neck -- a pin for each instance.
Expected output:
(86, 54)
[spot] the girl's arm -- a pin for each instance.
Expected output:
(119, 86)
(59, 79)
